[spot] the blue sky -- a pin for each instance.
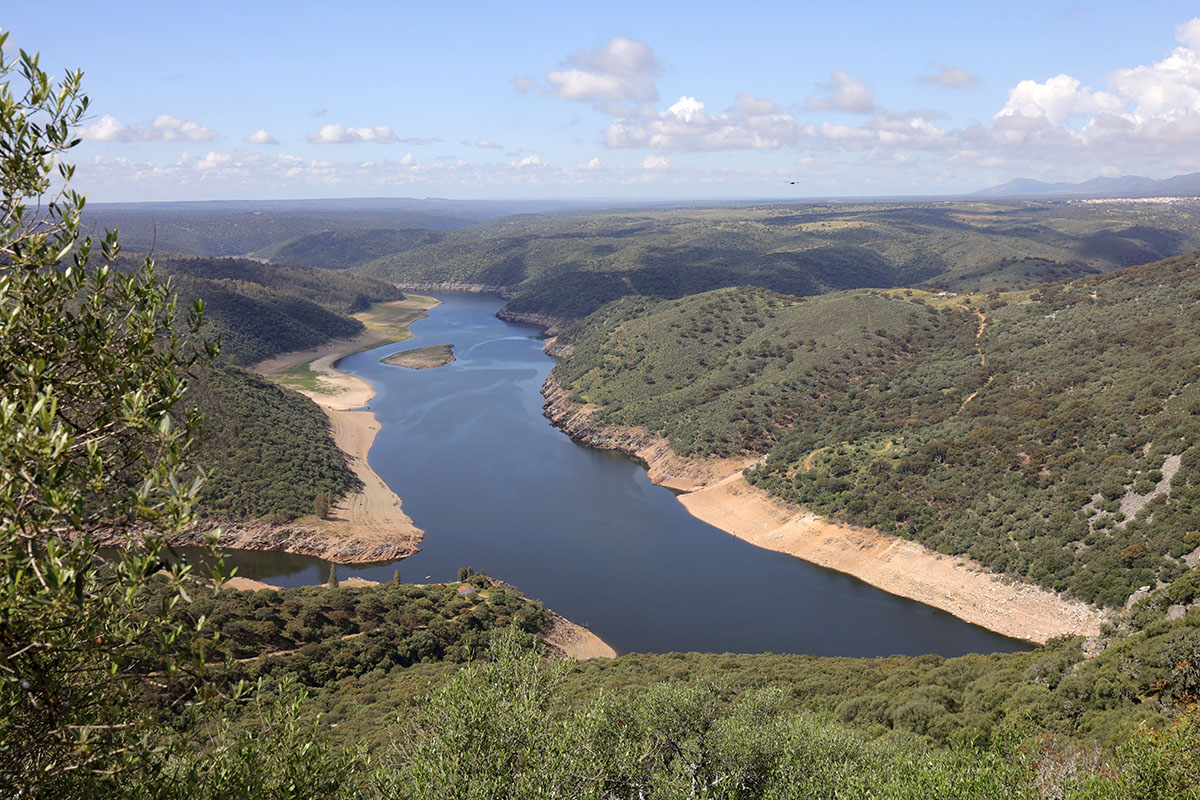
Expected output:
(642, 100)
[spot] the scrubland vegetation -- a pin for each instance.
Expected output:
(1040, 443)
(570, 266)
(135, 678)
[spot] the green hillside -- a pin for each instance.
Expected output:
(261, 310)
(570, 266)
(1043, 448)
(349, 248)
(268, 449)
(240, 229)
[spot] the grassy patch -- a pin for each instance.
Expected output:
(300, 377)
(391, 320)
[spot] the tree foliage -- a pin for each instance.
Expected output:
(92, 368)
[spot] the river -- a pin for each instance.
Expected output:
(497, 488)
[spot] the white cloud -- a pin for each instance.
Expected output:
(485, 144)
(251, 175)
(842, 93)
(213, 160)
(529, 161)
(1149, 112)
(952, 77)
(1057, 100)
(522, 83)
(617, 74)
(656, 162)
(164, 128)
(339, 134)
(687, 125)
(261, 136)
(1188, 34)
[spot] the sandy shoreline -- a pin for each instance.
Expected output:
(714, 491)
(368, 524)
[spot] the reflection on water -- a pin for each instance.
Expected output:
(497, 488)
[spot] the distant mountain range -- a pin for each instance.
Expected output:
(1124, 186)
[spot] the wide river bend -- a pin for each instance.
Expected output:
(497, 488)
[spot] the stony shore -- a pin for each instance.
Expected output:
(714, 491)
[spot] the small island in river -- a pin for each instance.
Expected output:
(435, 355)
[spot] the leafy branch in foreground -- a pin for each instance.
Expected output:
(91, 370)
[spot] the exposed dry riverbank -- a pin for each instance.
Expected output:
(715, 492)
(369, 524)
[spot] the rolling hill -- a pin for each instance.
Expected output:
(567, 267)
(1050, 433)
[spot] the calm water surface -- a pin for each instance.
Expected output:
(497, 488)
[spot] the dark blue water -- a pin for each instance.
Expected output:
(496, 488)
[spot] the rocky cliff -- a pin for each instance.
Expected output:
(666, 467)
(553, 325)
(286, 538)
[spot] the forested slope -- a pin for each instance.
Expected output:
(1037, 432)
(570, 266)
(260, 310)
(349, 248)
(268, 449)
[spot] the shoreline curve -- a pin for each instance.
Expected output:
(368, 524)
(714, 491)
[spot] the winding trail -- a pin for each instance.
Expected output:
(983, 323)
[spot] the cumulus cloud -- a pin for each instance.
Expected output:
(339, 134)
(1147, 111)
(213, 160)
(656, 162)
(618, 74)
(687, 125)
(1056, 100)
(253, 175)
(164, 128)
(842, 93)
(485, 144)
(528, 161)
(952, 78)
(419, 140)
(261, 136)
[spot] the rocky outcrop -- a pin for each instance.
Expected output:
(553, 325)
(714, 491)
(666, 467)
(286, 538)
(557, 348)
(565, 639)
